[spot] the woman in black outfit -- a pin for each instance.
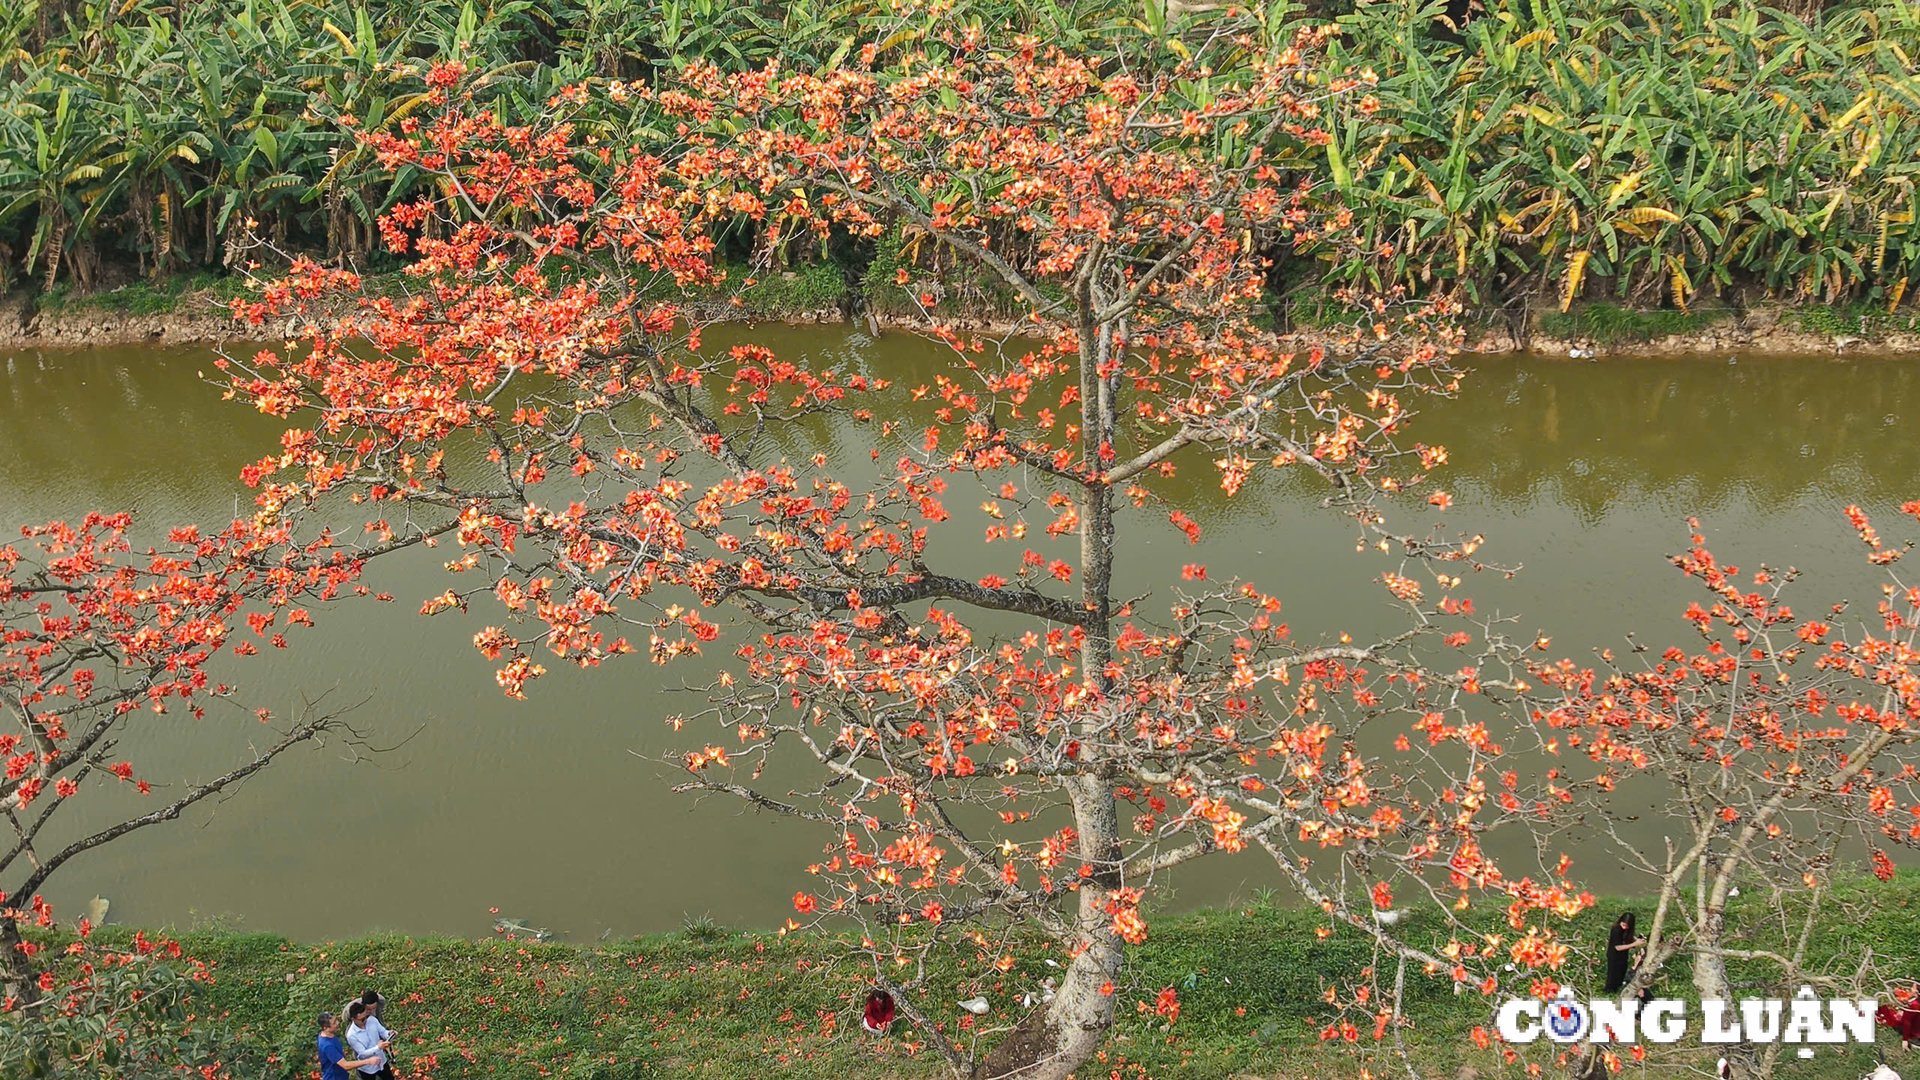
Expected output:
(1621, 941)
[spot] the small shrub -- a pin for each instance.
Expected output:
(703, 929)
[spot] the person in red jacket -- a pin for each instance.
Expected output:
(879, 1013)
(1902, 1014)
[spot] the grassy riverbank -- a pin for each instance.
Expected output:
(708, 1002)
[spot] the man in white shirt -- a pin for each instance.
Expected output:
(368, 1038)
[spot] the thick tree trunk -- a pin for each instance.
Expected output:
(1055, 1041)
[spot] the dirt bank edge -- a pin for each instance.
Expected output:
(198, 319)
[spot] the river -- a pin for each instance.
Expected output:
(551, 810)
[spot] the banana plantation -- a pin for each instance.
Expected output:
(1524, 153)
(1653, 150)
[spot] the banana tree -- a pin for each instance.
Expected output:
(59, 176)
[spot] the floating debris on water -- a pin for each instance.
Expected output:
(519, 929)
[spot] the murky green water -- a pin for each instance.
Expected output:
(551, 809)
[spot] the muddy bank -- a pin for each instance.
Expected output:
(21, 325)
(193, 322)
(200, 318)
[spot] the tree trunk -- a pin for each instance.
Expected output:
(1053, 1042)
(50, 22)
(1069, 1032)
(1710, 979)
(16, 973)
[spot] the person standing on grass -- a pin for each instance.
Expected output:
(334, 1062)
(1621, 941)
(369, 1039)
(372, 1000)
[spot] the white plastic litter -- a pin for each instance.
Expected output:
(1045, 997)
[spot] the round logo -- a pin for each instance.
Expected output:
(1566, 1020)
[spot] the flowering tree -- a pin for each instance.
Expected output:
(997, 754)
(1783, 738)
(99, 640)
(115, 1009)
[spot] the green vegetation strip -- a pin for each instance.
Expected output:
(1658, 154)
(709, 1002)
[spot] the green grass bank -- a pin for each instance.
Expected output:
(709, 1002)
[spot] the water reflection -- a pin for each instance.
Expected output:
(1582, 472)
